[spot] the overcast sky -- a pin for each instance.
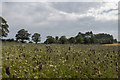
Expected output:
(61, 18)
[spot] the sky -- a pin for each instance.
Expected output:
(61, 18)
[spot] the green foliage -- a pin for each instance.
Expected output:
(9, 40)
(30, 42)
(104, 38)
(3, 27)
(59, 61)
(63, 40)
(86, 40)
(50, 40)
(114, 40)
(72, 40)
(79, 39)
(22, 35)
(57, 40)
(36, 37)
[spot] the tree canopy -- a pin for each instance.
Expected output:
(103, 38)
(3, 27)
(36, 37)
(50, 40)
(83, 38)
(22, 35)
(63, 40)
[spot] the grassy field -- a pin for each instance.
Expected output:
(59, 61)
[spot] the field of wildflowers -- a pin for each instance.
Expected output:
(59, 61)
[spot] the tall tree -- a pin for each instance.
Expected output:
(57, 39)
(36, 37)
(22, 35)
(72, 40)
(103, 38)
(63, 40)
(50, 40)
(79, 39)
(3, 28)
(89, 37)
(86, 40)
(115, 41)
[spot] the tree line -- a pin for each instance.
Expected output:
(81, 38)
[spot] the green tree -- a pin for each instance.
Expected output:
(103, 38)
(92, 39)
(115, 41)
(3, 28)
(89, 37)
(22, 35)
(79, 39)
(50, 40)
(63, 40)
(86, 40)
(36, 37)
(57, 39)
(82, 34)
(72, 40)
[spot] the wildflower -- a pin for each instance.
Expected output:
(116, 63)
(23, 55)
(40, 66)
(63, 61)
(51, 65)
(34, 58)
(53, 69)
(111, 56)
(69, 48)
(67, 57)
(36, 77)
(113, 51)
(16, 57)
(33, 70)
(26, 71)
(7, 70)
(111, 61)
(95, 69)
(85, 59)
(82, 61)
(98, 58)
(14, 76)
(107, 55)
(38, 62)
(8, 57)
(49, 58)
(76, 71)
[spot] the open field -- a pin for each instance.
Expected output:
(115, 44)
(59, 61)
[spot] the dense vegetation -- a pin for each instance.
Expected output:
(59, 61)
(3, 27)
(81, 38)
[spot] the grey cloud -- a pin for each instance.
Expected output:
(77, 7)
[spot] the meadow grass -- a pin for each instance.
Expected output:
(59, 61)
